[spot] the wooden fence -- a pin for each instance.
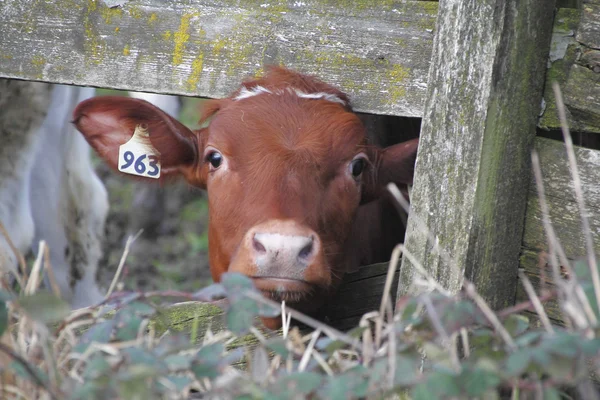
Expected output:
(479, 77)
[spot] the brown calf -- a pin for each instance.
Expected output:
(295, 191)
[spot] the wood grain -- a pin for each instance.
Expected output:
(378, 52)
(472, 170)
(575, 64)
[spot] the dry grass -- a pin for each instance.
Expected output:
(47, 355)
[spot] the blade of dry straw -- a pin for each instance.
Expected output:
(115, 280)
(389, 280)
(535, 300)
(34, 281)
(589, 243)
(50, 270)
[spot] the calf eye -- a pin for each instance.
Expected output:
(215, 159)
(357, 167)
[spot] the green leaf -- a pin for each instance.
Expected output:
(141, 308)
(407, 370)
(6, 296)
(95, 367)
(551, 394)
(178, 382)
(345, 386)
(206, 363)
(177, 362)
(267, 310)
(44, 307)
(3, 317)
(127, 324)
(560, 368)
(422, 392)
(477, 381)
(236, 283)
(278, 345)
(443, 383)
(457, 314)
(562, 343)
(335, 345)
(516, 324)
(210, 293)
(240, 316)
(357, 332)
(297, 383)
(518, 362)
(528, 338)
(540, 356)
(590, 347)
(138, 355)
(92, 390)
(24, 373)
(99, 333)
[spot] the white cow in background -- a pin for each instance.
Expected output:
(48, 188)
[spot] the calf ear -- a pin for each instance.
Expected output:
(393, 164)
(107, 122)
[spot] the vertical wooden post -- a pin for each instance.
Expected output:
(473, 166)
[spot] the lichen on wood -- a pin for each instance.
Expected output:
(378, 52)
(471, 178)
(574, 63)
(564, 213)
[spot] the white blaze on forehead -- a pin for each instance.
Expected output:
(256, 90)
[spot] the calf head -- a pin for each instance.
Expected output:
(286, 165)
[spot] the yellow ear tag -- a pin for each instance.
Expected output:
(138, 156)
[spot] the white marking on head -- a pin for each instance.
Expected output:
(321, 95)
(256, 90)
(245, 92)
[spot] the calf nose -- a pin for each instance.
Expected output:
(283, 249)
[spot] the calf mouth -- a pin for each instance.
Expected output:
(283, 289)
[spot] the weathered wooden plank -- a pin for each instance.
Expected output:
(473, 163)
(576, 67)
(589, 31)
(378, 52)
(582, 95)
(557, 176)
(361, 292)
(564, 213)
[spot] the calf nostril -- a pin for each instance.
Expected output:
(258, 246)
(306, 251)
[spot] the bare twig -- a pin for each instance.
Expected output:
(50, 271)
(309, 351)
(437, 324)
(535, 300)
(489, 314)
(305, 319)
(464, 337)
(526, 305)
(589, 242)
(386, 292)
(553, 243)
(115, 280)
(32, 373)
(34, 280)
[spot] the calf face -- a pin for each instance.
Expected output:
(286, 165)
